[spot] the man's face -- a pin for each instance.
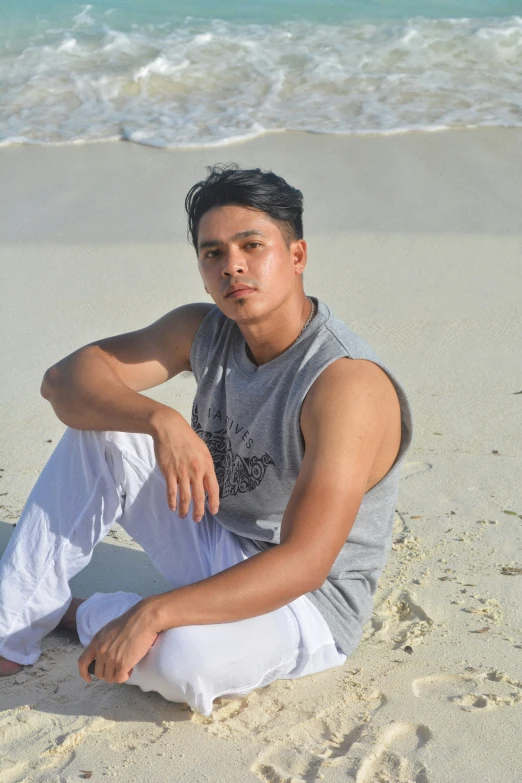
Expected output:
(245, 263)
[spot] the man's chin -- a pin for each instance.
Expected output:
(241, 310)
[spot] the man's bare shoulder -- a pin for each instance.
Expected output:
(187, 318)
(349, 378)
(149, 356)
(172, 335)
(176, 328)
(352, 410)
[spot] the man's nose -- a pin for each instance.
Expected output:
(233, 262)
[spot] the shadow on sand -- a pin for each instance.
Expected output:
(53, 684)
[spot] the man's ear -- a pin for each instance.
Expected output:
(299, 255)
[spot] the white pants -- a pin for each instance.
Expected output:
(94, 479)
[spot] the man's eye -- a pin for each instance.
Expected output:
(211, 254)
(254, 244)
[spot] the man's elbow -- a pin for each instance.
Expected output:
(317, 580)
(308, 570)
(314, 577)
(50, 382)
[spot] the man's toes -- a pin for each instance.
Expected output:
(9, 667)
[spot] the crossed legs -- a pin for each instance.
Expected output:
(92, 480)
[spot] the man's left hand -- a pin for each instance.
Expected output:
(119, 646)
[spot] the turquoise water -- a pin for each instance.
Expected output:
(128, 12)
(199, 73)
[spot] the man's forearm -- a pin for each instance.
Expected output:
(86, 394)
(259, 585)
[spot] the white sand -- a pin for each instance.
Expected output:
(415, 241)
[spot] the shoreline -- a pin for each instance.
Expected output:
(416, 242)
(231, 141)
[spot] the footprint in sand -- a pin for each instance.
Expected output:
(324, 748)
(46, 742)
(396, 756)
(250, 715)
(470, 692)
(27, 728)
(399, 619)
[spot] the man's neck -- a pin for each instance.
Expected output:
(268, 340)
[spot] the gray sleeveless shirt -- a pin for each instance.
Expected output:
(249, 418)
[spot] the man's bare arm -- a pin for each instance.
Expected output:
(97, 388)
(345, 419)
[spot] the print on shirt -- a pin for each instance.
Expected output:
(235, 474)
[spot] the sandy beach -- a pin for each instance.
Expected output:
(415, 241)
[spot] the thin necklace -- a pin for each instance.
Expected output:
(312, 310)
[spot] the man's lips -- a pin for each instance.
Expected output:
(238, 291)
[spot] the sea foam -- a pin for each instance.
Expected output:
(204, 83)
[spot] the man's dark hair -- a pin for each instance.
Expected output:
(253, 188)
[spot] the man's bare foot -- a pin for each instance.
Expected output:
(68, 621)
(9, 667)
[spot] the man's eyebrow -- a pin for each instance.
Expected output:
(240, 235)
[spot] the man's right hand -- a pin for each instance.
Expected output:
(187, 465)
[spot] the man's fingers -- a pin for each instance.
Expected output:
(212, 489)
(191, 484)
(184, 497)
(172, 492)
(107, 672)
(122, 675)
(84, 661)
(198, 497)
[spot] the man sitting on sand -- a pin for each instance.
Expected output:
(271, 517)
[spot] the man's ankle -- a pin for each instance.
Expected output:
(7, 668)
(68, 621)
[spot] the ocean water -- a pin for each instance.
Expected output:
(177, 73)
